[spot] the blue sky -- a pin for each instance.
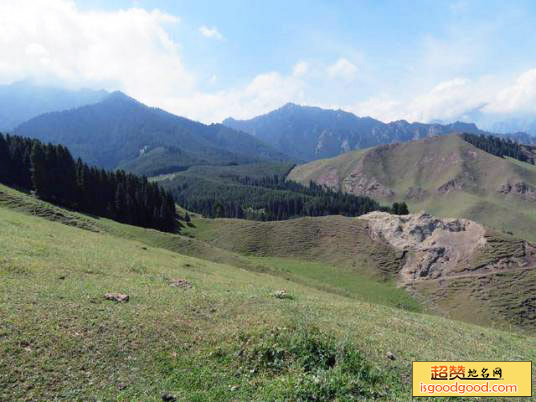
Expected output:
(419, 60)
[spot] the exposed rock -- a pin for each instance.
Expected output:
(117, 297)
(167, 397)
(437, 246)
(391, 356)
(416, 193)
(519, 189)
(367, 186)
(181, 283)
(360, 183)
(281, 294)
(460, 182)
(330, 179)
(451, 185)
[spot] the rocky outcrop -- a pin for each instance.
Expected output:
(416, 193)
(519, 189)
(435, 247)
(368, 186)
(444, 248)
(360, 183)
(329, 179)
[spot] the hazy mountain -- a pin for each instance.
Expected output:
(122, 132)
(310, 133)
(23, 100)
(512, 125)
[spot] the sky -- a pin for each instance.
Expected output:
(442, 60)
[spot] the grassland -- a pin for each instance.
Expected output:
(61, 340)
(416, 171)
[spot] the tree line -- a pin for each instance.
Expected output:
(500, 147)
(52, 173)
(271, 198)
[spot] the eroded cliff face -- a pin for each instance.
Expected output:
(442, 247)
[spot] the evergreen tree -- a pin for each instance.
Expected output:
(51, 171)
(403, 209)
(39, 171)
(4, 161)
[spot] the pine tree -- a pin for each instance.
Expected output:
(39, 172)
(4, 161)
(403, 209)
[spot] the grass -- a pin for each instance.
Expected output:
(415, 171)
(226, 338)
(341, 281)
(334, 240)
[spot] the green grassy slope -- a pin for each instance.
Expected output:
(59, 339)
(445, 176)
(341, 255)
(342, 280)
(335, 240)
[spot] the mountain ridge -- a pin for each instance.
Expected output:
(310, 132)
(24, 100)
(121, 132)
(443, 175)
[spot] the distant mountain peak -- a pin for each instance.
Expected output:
(289, 105)
(118, 95)
(310, 132)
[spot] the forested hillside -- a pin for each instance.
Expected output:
(52, 173)
(233, 193)
(120, 132)
(501, 147)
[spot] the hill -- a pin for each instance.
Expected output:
(218, 324)
(453, 267)
(444, 175)
(120, 132)
(23, 100)
(308, 133)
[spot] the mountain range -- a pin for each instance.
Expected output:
(113, 130)
(308, 133)
(120, 132)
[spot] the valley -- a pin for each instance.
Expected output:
(306, 201)
(173, 340)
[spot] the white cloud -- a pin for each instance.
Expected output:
(455, 99)
(262, 94)
(448, 100)
(124, 49)
(210, 32)
(382, 108)
(131, 50)
(300, 69)
(519, 98)
(342, 69)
